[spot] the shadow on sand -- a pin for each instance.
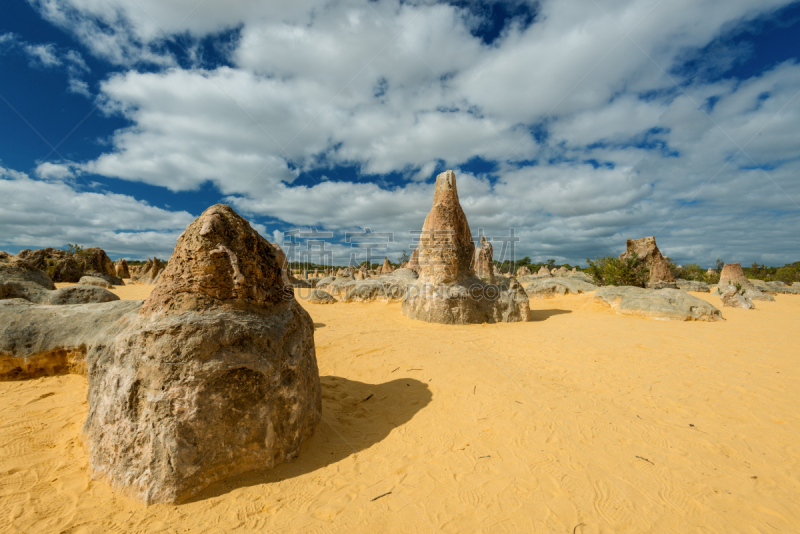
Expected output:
(542, 315)
(355, 416)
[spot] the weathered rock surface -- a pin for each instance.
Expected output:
(413, 261)
(482, 263)
(62, 266)
(383, 288)
(386, 268)
(733, 274)
(317, 296)
(523, 271)
(149, 272)
(19, 280)
(94, 281)
(544, 271)
(40, 340)
(663, 304)
(545, 288)
(646, 250)
(216, 375)
(447, 290)
(121, 268)
(113, 280)
(732, 298)
(692, 285)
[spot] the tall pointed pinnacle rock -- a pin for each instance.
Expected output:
(445, 247)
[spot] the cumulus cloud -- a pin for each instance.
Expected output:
(41, 214)
(595, 133)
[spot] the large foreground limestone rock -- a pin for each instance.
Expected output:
(646, 250)
(448, 291)
(215, 375)
(664, 304)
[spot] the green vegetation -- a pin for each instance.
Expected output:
(612, 271)
(788, 274)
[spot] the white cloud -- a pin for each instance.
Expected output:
(43, 214)
(54, 171)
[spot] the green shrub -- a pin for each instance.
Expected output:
(611, 270)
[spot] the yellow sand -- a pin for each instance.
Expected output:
(581, 421)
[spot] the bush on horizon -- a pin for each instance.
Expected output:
(613, 271)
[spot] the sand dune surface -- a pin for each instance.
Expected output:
(581, 421)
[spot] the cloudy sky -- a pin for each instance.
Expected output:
(576, 124)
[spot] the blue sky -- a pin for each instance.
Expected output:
(578, 124)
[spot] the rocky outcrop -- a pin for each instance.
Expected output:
(733, 298)
(121, 268)
(561, 271)
(113, 280)
(647, 251)
(94, 281)
(413, 261)
(663, 304)
(692, 285)
(63, 266)
(19, 280)
(317, 296)
(544, 271)
(482, 263)
(391, 287)
(545, 288)
(523, 271)
(215, 375)
(386, 268)
(733, 274)
(448, 291)
(149, 272)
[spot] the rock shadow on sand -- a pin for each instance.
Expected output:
(355, 416)
(542, 315)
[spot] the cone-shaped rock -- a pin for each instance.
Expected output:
(386, 268)
(733, 274)
(413, 261)
(482, 264)
(646, 250)
(448, 291)
(215, 376)
(121, 268)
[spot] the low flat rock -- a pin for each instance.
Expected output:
(546, 288)
(693, 285)
(42, 340)
(113, 280)
(335, 285)
(733, 299)
(317, 296)
(94, 281)
(385, 288)
(660, 304)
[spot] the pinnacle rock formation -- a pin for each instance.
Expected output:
(482, 263)
(149, 272)
(448, 291)
(386, 268)
(523, 271)
(121, 269)
(413, 261)
(647, 251)
(732, 274)
(215, 375)
(63, 266)
(544, 271)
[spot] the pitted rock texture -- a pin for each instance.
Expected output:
(662, 304)
(482, 264)
(732, 298)
(646, 250)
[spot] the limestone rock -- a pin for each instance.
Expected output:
(646, 249)
(482, 263)
(149, 272)
(386, 268)
(663, 304)
(94, 281)
(38, 340)
(544, 271)
(16, 271)
(413, 262)
(216, 374)
(113, 280)
(733, 274)
(317, 296)
(692, 285)
(121, 268)
(561, 271)
(523, 271)
(544, 288)
(732, 298)
(447, 290)
(387, 288)
(62, 266)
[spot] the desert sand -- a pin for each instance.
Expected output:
(581, 421)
